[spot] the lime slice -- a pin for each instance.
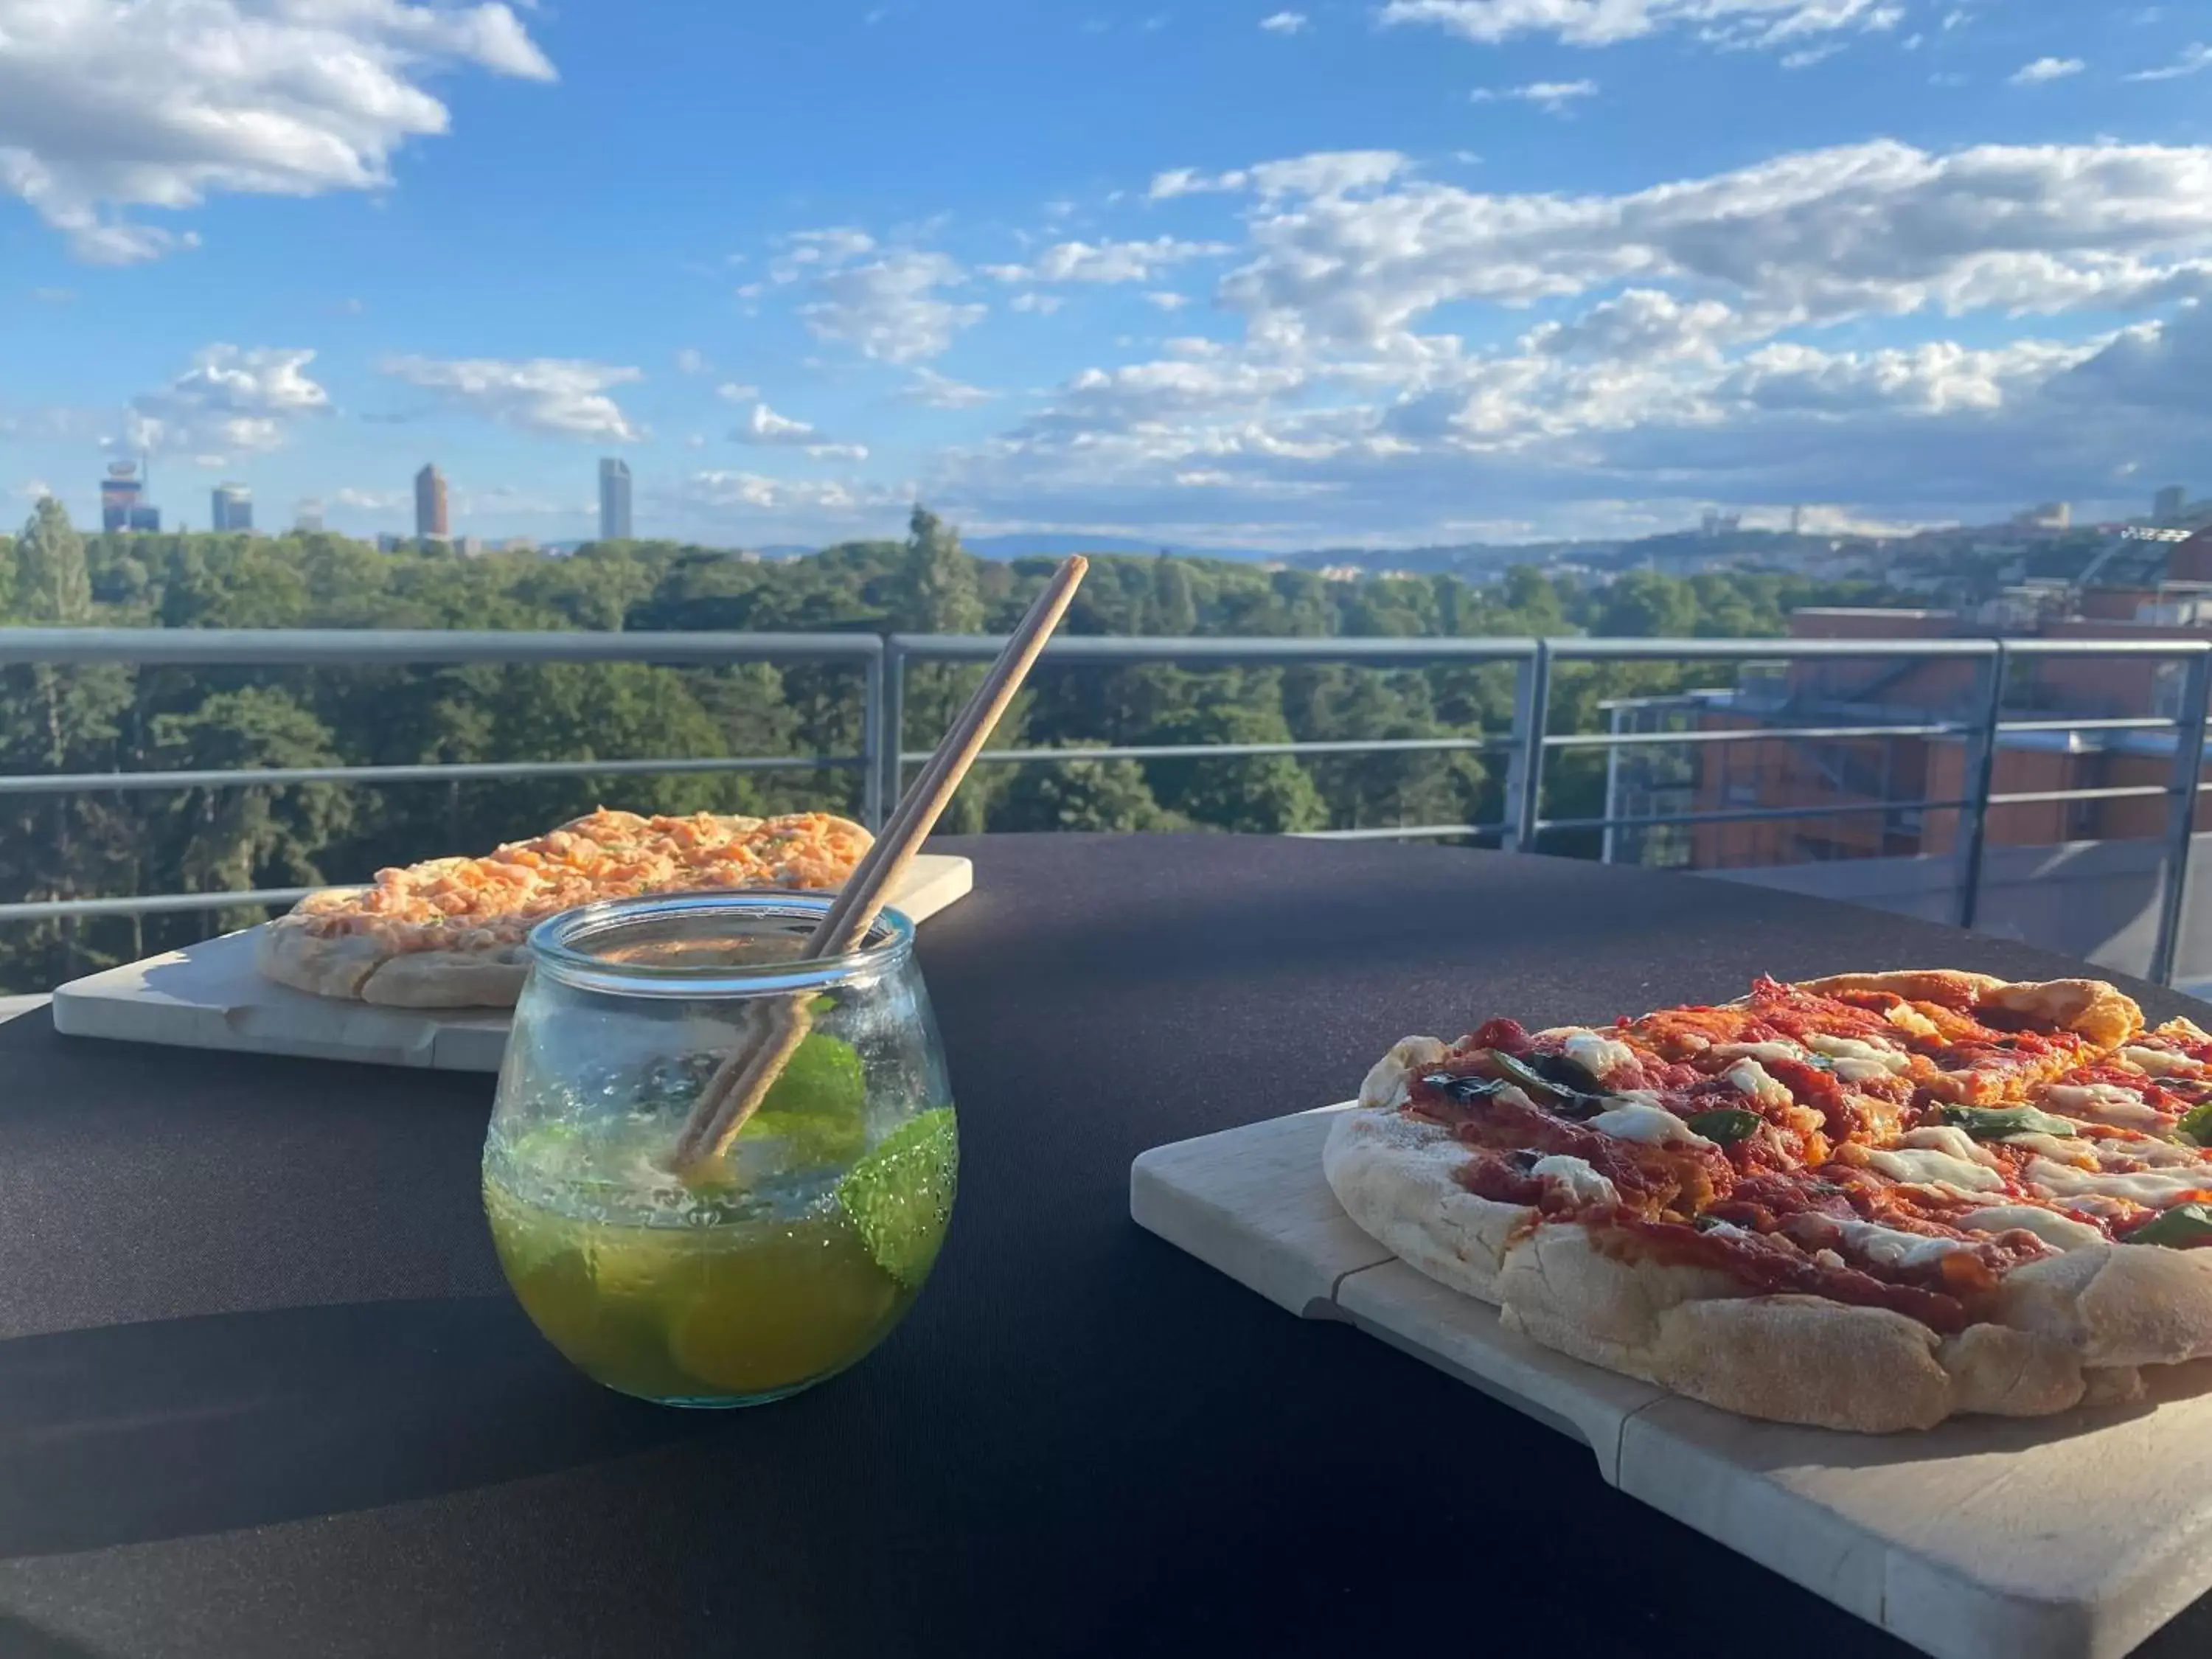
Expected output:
(900, 1195)
(818, 1107)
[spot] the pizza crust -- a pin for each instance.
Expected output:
(2116, 1304)
(449, 979)
(1397, 1177)
(290, 954)
(2097, 1011)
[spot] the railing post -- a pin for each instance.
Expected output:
(1524, 777)
(1981, 765)
(2181, 821)
(872, 743)
(892, 772)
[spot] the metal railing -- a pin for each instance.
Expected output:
(1528, 744)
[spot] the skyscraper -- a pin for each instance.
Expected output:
(233, 507)
(614, 500)
(309, 519)
(2169, 502)
(119, 491)
(430, 505)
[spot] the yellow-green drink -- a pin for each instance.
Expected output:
(782, 1263)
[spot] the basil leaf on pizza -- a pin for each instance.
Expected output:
(1998, 1123)
(2183, 1227)
(1726, 1126)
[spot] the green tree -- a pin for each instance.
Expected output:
(938, 593)
(57, 719)
(1080, 794)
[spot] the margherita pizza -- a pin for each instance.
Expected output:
(1868, 1202)
(449, 934)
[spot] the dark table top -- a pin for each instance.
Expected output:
(262, 1391)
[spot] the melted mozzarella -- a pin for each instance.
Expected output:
(1924, 1166)
(1860, 1054)
(1753, 1079)
(1575, 1179)
(2159, 1063)
(1908, 1019)
(1887, 1247)
(2062, 1230)
(1598, 1055)
(2050, 1146)
(2103, 1103)
(2157, 1189)
(1759, 1051)
(1726, 1230)
(1949, 1138)
(1653, 1126)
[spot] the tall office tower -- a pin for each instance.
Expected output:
(2169, 502)
(232, 507)
(614, 500)
(308, 520)
(119, 492)
(430, 504)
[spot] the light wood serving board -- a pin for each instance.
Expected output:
(209, 996)
(2068, 1537)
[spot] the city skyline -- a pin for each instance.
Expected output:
(1379, 273)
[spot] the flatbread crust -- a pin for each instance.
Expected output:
(287, 954)
(448, 979)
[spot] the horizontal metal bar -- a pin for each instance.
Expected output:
(1693, 650)
(1232, 750)
(2130, 723)
(2038, 796)
(431, 772)
(1401, 832)
(1752, 814)
(1122, 648)
(349, 647)
(1753, 734)
(2177, 649)
(158, 904)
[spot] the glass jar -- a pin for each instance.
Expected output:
(759, 1271)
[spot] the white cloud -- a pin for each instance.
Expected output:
(1552, 96)
(1286, 22)
(1039, 304)
(2195, 59)
(807, 249)
(1325, 173)
(891, 308)
(553, 396)
(1106, 262)
(1734, 23)
(1873, 228)
(691, 361)
(812, 498)
(1168, 301)
(1806, 56)
(768, 429)
(934, 391)
(737, 391)
(2047, 68)
(230, 402)
(1694, 369)
(372, 501)
(158, 104)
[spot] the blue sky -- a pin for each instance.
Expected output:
(1387, 272)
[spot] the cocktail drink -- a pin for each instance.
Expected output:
(797, 1251)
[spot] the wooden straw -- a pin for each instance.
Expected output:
(742, 1081)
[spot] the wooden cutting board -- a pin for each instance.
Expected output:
(209, 996)
(2068, 1537)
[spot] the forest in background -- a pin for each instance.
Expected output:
(101, 718)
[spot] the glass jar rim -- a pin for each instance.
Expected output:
(557, 945)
